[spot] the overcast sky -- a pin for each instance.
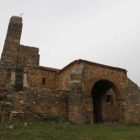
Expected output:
(101, 31)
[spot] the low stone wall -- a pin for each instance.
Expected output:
(131, 105)
(32, 102)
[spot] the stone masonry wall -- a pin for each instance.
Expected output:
(132, 103)
(35, 77)
(9, 57)
(20, 105)
(5, 75)
(28, 56)
(126, 94)
(94, 73)
(11, 47)
(64, 77)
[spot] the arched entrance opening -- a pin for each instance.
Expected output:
(105, 108)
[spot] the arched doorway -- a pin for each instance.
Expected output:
(105, 108)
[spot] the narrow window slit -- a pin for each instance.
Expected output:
(43, 81)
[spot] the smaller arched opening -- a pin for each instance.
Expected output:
(104, 94)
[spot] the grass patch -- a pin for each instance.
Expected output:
(60, 129)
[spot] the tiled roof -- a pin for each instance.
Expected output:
(47, 68)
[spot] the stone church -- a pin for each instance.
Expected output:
(85, 92)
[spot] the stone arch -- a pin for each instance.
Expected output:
(105, 106)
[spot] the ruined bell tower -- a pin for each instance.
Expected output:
(9, 57)
(11, 47)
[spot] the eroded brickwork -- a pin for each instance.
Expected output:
(33, 102)
(64, 76)
(11, 47)
(118, 78)
(10, 53)
(41, 77)
(28, 56)
(92, 85)
(83, 91)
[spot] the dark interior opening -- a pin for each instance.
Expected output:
(99, 90)
(43, 81)
(19, 80)
(108, 98)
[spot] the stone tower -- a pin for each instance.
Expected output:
(11, 46)
(9, 57)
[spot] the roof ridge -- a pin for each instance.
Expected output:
(89, 62)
